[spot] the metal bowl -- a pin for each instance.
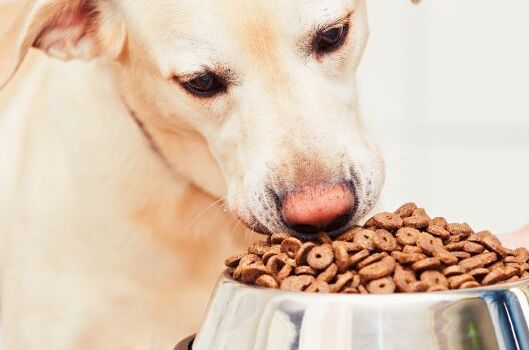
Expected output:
(242, 317)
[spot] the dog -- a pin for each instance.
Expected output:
(143, 142)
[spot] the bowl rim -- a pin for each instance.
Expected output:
(524, 282)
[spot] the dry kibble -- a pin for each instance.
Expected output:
(355, 259)
(416, 221)
(276, 263)
(456, 281)
(250, 273)
(383, 240)
(412, 249)
(379, 269)
(461, 255)
(522, 255)
(440, 222)
(346, 237)
(453, 271)
(479, 273)
(407, 236)
(233, 261)
(400, 252)
(266, 281)
(497, 276)
(355, 281)
(438, 231)
(476, 261)
(274, 250)
(454, 239)
(365, 239)
(290, 246)
(445, 256)
(373, 258)
(420, 212)
(469, 284)
(406, 210)
(248, 259)
(426, 264)
(318, 286)
(437, 288)
(428, 243)
(362, 289)
(497, 265)
(277, 238)
(329, 273)
(473, 248)
(456, 246)
(404, 279)
(319, 258)
(324, 238)
(370, 224)
(490, 241)
(305, 270)
(351, 246)
(512, 279)
(341, 281)
(284, 272)
(384, 285)
(297, 283)
(259, 248)
(420, 286)
(303, 251)
(434, 278)
(407, 258)
(387, 221)
(340, 255)
(459, 229)
(517, 266)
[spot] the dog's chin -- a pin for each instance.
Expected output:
(255, 225)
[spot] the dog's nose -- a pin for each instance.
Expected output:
(321, 207)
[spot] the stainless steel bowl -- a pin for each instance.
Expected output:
(241, 317)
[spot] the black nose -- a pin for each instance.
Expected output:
(320, 207)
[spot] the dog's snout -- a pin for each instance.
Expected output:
(320, 207)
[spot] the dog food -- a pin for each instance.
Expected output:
(401, 252)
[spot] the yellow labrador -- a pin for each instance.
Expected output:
(111, 166)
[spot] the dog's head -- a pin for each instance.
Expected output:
(268, 85)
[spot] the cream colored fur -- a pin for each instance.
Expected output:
(109, 243)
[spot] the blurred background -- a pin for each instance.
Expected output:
(444, 90)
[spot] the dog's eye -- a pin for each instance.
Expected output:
(331, 39)
(205, 85)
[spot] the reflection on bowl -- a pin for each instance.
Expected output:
(242, 317)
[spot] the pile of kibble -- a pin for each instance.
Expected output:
(405, 251)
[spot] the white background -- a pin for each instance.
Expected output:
(444, 91)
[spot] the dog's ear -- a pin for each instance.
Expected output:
(66, 29)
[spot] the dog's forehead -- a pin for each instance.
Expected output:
(207, 30)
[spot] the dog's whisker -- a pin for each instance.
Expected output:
(202, 212)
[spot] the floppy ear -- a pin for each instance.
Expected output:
(66, 29)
